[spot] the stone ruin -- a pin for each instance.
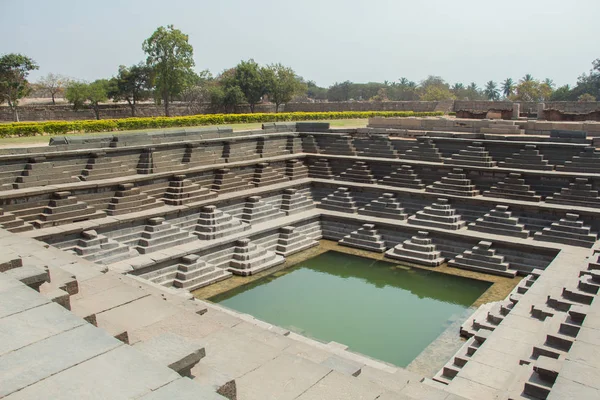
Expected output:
(103, 239)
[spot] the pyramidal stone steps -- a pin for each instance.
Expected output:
(320, 169)
(439, 215)
(528, 158)
(359, 172)
(513, 187)
(483, 258)
(129, 199)
(579, 193)
(588, 161)
(194, 273)
(424, 150)
(249, 258)
(295, 169)
(256, 210)
(266, 175)
(12, 223)
(159, 234)
(340, 201)
(293, 201)
(183, 191)
(500, 221)
(386, 206)
(403, 177)
(473, 155)
(63, 208)
(95, 247)
(366, 238)
(418, 250)
(226, 181)
(292, 241)
(569, 230)
(455, 183)
(213, 223)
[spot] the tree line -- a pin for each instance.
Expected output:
(168, 75)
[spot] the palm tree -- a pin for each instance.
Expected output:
(508, 86)
(473, 87)
(527, 78)
(491, 91)
(403, 82)
(549, 82)
(457, 87)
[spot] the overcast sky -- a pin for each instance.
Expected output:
(322, 40)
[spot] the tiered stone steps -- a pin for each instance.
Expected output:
(439, 215)
(213, 223)
(500, 221)
(320, 169)
(146, 162)
(9, 171)
(340, 201)
(568, 230)
(588, 161)
(513, 187)
(169, 160)
(418, 250)
(249, 258)
(198, 154)
(579, 193)
(375, 146)
(226, 181)
(455, 183)
(129, 199)
(385, 206)
(183, 191)
(101, 166)
(12, 223)
(294, 144)
(339, 145)
(272, 147)
(39, 172)
(293, 201)
(193, 273)
(100, 249)
(424, 150)
(473, 155)
(483, 258)
(366, 238)
(64, 208)
(527, 158)
(309, 144)
(403, 177)
(159, 234)
(265, 175)
(295, 169)
(291, 240)
(359, 172)
(256, 210)
(242, 150)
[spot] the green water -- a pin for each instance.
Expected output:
(376, 308)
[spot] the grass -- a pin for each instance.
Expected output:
(43, 140)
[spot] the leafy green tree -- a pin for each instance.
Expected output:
(472, 92)
(508, 86)
(491, 91)
(250, 79)
(282, 84)
(76, 94)
(562, 93)
(531, 90)
(53, 84)
(527, 78)
(14, 69)
(339, 91)
(315, 92)
(434, 88)
(171, 58)
(586, 97)
(97, 92)
(588, 83)
(232, 97)
(133, 84)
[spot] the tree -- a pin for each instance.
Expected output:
(53, 84)
(586, 97)
(133, 84)
(339, 91)
(472, 92)
(14, 69)
(315, 92)
(97, 92)
(171, 58)
(233, 96)
(250, 78)
(380, 96)
(76, 94)
(491, 91)
(562, 93)
(434, 88)
(532, 90)
(527, 78)
(508, 86)
(282, 84)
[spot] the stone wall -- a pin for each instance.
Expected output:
(557, 111)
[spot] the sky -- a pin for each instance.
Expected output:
(326, 41)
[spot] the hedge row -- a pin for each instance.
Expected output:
(111, 125)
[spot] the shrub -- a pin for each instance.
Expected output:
(111, 125)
